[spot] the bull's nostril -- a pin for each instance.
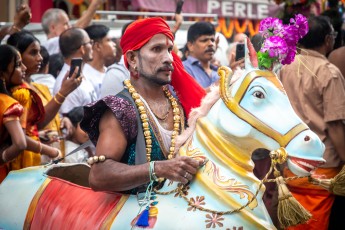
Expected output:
(306, 138)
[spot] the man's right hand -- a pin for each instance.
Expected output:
(69, 84)
(181, 169)
(234, 64)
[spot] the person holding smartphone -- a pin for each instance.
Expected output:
(76, 48)
(236, 55)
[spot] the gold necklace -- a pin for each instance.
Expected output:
(165, 116)
(145, 121)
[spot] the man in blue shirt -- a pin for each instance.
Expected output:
(202, 47)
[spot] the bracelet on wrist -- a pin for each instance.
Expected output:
(40, 147)
(16, 28)
(153, 176)
(96, 159)
(61, 95)
(57, 101)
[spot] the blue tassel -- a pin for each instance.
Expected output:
(143, 220)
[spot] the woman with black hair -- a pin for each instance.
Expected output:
(36, 114)
(12, 138)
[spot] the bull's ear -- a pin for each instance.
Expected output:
(251, 59)
(225, 75)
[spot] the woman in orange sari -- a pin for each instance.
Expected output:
(12, 138)
(35, 115)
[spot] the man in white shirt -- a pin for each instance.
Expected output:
(115, 75)
(55, 21)
(103, 56)
(75, 43)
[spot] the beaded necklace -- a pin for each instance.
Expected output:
(145, 121)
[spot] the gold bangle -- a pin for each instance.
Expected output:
(57, 101)
(60, 94)
(15, 28)
(40, 146)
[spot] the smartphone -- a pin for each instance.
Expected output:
(239, 51)
(179, 5)
(74, 63)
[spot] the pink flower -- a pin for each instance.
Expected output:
(280, 40)
(290, 56)
(276, 47)
(301, 23)
(290, 35)
(270, 26)
(213, 220)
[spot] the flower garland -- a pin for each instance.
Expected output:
(280, 40)
(241, 28)
(145, 121)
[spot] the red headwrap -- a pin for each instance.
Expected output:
(138, 34)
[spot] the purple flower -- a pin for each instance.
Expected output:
(280, 40)
(276, 47)
(290, 35)
(270, 26)
(301, 23)
(290, 56)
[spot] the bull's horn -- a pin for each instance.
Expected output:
(225, 74)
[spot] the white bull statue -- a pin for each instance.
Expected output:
(235, 120)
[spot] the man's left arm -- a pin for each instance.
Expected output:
(336, 132)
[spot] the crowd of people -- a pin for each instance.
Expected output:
(134, 93)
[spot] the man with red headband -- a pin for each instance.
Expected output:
(135, 131)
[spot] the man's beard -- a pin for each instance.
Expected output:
(155, 79)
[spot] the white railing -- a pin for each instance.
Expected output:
(113, 16)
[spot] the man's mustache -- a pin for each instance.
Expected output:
(210, 50)
(166, 68)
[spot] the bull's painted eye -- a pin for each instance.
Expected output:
(259, 94)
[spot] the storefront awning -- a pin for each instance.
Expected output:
(246, 9)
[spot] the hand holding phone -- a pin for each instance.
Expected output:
(75, 62)
(72, 78)
(179, 5)
(239, 51)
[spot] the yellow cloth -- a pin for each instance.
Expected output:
(8, 111)
(54, 125)
(6, 103)
(32, 115)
